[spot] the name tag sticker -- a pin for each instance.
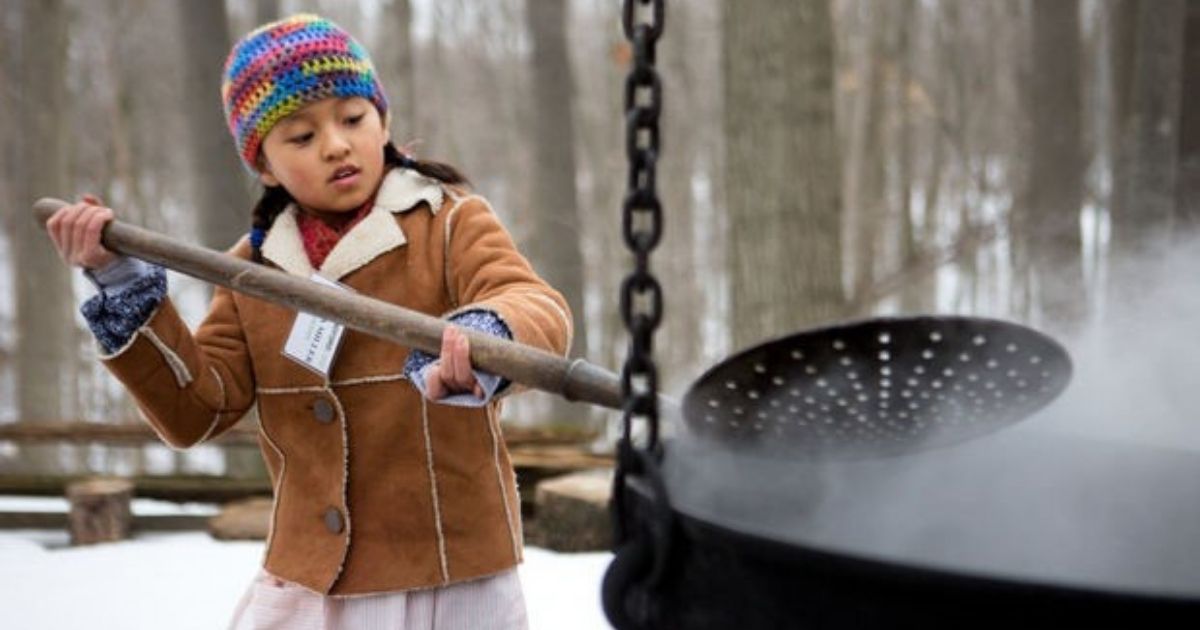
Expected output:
(314, 342)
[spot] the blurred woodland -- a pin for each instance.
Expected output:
(823, 160)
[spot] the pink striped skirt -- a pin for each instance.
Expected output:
(494, 602)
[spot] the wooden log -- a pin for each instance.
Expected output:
(572, 513)
(176, 488)
(123, 433)
(100, 510)
(141, 522)
(248, 519)
(246, 434)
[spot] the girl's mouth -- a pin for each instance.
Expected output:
(345, 175)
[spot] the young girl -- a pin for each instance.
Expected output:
(395, 501)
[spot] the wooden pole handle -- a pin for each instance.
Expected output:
(573, 379)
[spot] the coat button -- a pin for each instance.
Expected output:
(323, 411)
(333, 520)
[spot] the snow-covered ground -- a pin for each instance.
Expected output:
(190, 581)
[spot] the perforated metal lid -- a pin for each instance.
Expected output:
(881, 386)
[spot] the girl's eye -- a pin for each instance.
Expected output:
(354, 120)
(301, 139)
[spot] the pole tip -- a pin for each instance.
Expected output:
(45, 207)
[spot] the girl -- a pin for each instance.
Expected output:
(395, 501)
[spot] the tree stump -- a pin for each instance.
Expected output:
(248, 519)
(572, 512)
(100, 510)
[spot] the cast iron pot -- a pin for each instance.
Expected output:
(688, 563)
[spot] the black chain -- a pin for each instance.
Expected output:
(641, 294)
(641, 527)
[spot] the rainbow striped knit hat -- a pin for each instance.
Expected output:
(280, 67)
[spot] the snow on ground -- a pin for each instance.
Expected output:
(187, 580)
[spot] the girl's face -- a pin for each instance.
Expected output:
(328, 155)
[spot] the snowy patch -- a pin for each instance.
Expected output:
(190, 581)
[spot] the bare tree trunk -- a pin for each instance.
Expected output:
(265, 11)
(222, 201)
(684, 137)
(918, 295)
(1122, 24)
(866, 189)
(783, 185)
(553, 243)
(404, 103)
(1187, 197)
(1056, 164)
(1142, 218)
(45, 325)
(45, 346)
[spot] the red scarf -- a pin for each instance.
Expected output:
(320, 237)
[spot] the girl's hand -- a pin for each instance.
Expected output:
(452, 373)
(75, 230)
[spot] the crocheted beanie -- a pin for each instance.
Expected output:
(282, 66)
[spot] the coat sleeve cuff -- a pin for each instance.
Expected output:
(116, 313)
(419, 363)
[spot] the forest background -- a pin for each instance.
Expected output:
(1035, 160)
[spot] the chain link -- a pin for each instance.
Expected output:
(641, 225)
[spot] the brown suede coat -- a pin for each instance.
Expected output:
(375, 489)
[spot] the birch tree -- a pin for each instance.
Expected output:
(783, 174)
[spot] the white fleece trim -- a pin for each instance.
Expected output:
(290, 390)
(402, 189)
(433, 491)
(119, 351)
(562, 314)
(378, 232)
(424, 589)
(458, 202)
(183, 377)
(220, 408)
(283, 245)
(508, 515)
(128, 344)
(262, 428)
(345, 484)
(359, 380)
(362, 380)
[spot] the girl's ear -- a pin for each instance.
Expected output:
(264, 173)
(387, 127)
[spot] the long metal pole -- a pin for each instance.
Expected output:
(574, 379)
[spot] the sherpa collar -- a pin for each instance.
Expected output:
(377, 233)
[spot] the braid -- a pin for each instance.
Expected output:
(440, 171)
(274, 199)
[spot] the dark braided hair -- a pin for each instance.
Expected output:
(275, 199)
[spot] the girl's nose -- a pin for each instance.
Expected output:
(336, 146)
